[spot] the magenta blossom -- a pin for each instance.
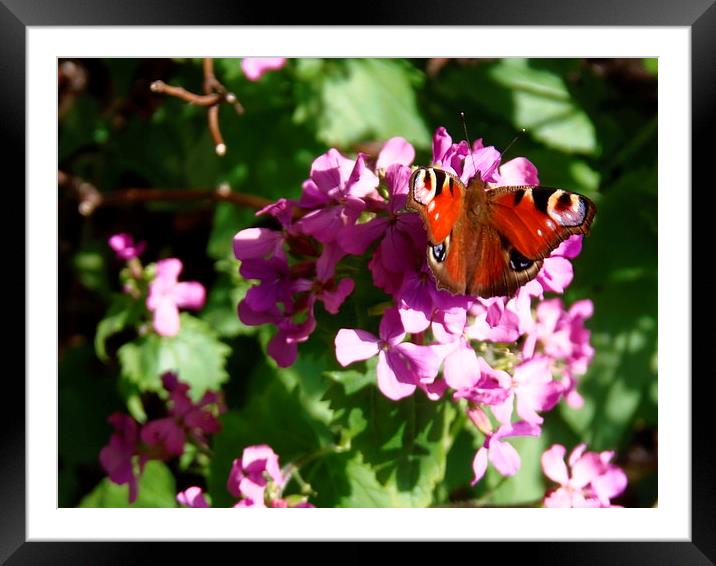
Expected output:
(533, 387)
(501, 454)
(192, 497)
(117, 457)
(255, 67)
(557, 273)
(124, 246)
(337, 192)
(463, 161)
(593, 480)
(401, 365)
(564, 339)
(167, 296)
(251, 475)
(159, 439)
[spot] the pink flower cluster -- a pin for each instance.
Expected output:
(132, 445)
(427, 338)
(255, 479)
(319, 230)
(591, 481)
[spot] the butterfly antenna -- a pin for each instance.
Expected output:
(509, 145)
(469, 143)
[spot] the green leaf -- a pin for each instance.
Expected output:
(123, 312)
(89, 264)
(363, 99)
(622, 281)
(156, 488)
(398, 449)
(354, 380)
(531, 95)
(195, 354)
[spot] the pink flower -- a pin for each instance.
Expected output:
(501, 454)
(257, 243)
(557, 273)
(564, 339)
(116, 458)
(463, 161)
(593, 480)
(124, 246)
(250, 475)
(164, 439)
(336, 193)
(493, 322)
(255, 67)
(401, 365)
(167, 296)
(396, 150)
(517, 171)
(533, 387)
(192, 497)
(488, 390)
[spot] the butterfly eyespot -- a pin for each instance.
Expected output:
(518, 262)
(423, 185)
(439, 252)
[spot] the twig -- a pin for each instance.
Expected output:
(90, 198)
(161, 87)
(215, 93)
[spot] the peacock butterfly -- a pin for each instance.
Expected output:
(488, 242)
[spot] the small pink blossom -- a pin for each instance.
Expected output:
(192, 497)
(593, 482)
(533, 388)
(251, 474)
(564, 338)
(255, 67)
(124, 246)
(557, 272)
(501, 454)
(396, 150)
(167, 296)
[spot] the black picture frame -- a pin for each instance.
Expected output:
(699, 15)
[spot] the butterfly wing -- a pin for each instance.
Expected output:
(439, 198)
(520, 227)
(536, 219)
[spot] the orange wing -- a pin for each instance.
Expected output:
(536, 219)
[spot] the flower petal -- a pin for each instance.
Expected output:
(479, 465)
(388, 382)
(189, 295)
(255, 67)
(504, 457)
(353, 345)
(166, 318)
(553, 464)
(395, 150)
(255, 243)
(517, 171)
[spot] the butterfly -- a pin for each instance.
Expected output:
(485, 241)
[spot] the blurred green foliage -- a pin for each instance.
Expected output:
(590, 127)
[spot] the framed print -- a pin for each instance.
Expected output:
(402, 287)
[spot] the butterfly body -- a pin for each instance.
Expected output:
(485, 241)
